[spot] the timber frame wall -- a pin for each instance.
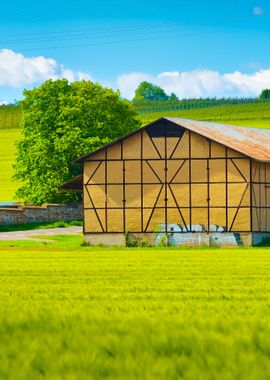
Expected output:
(166, 174)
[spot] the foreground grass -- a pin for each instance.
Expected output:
(94, 313)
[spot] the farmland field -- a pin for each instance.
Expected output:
(256, 115)
(10, 117)
(7, 157)
(71, 312)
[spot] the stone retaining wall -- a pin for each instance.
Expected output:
(45, 213)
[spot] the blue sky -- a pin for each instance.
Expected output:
(192, 47)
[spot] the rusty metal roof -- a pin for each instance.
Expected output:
(253, 142)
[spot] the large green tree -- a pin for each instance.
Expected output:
(60, 122)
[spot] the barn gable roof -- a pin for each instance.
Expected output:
(252, 142)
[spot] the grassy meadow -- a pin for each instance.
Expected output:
(72, 312)
(7, 157)
(10, 118)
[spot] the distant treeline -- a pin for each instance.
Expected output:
(146, 106)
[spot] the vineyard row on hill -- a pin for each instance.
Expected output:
(10, 116)
(258, 111)
(189, 104)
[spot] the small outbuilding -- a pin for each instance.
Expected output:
(179, 182)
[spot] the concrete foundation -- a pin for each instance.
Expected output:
(213, 239)
(230, 239)
(189, 239)
(141, 238)
(105, 239)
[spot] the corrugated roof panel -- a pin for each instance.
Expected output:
(253, 142)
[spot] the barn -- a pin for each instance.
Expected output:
(179, 182)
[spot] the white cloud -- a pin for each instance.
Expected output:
(17, 70)
(199, 83)
(258, 11)
(127, 83)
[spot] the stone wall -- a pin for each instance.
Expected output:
(45, 213)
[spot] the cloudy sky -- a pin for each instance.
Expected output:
(191, 47)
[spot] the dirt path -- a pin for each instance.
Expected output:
(30, 234)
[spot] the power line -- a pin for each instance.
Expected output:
(85, 30)
(121, 41)
(101, 34)
(94, 32)
(104, 32)
(130, 32)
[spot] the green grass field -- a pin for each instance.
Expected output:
(71, 312)
(7, 157)
(10, 117)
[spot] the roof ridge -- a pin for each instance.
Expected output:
(249, 141)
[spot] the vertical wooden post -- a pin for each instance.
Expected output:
(227, 212)
(142, 204)
(190, 182)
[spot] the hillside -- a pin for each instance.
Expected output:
(256, 115)
(10, 117)
(250, 115)
(8, 150)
